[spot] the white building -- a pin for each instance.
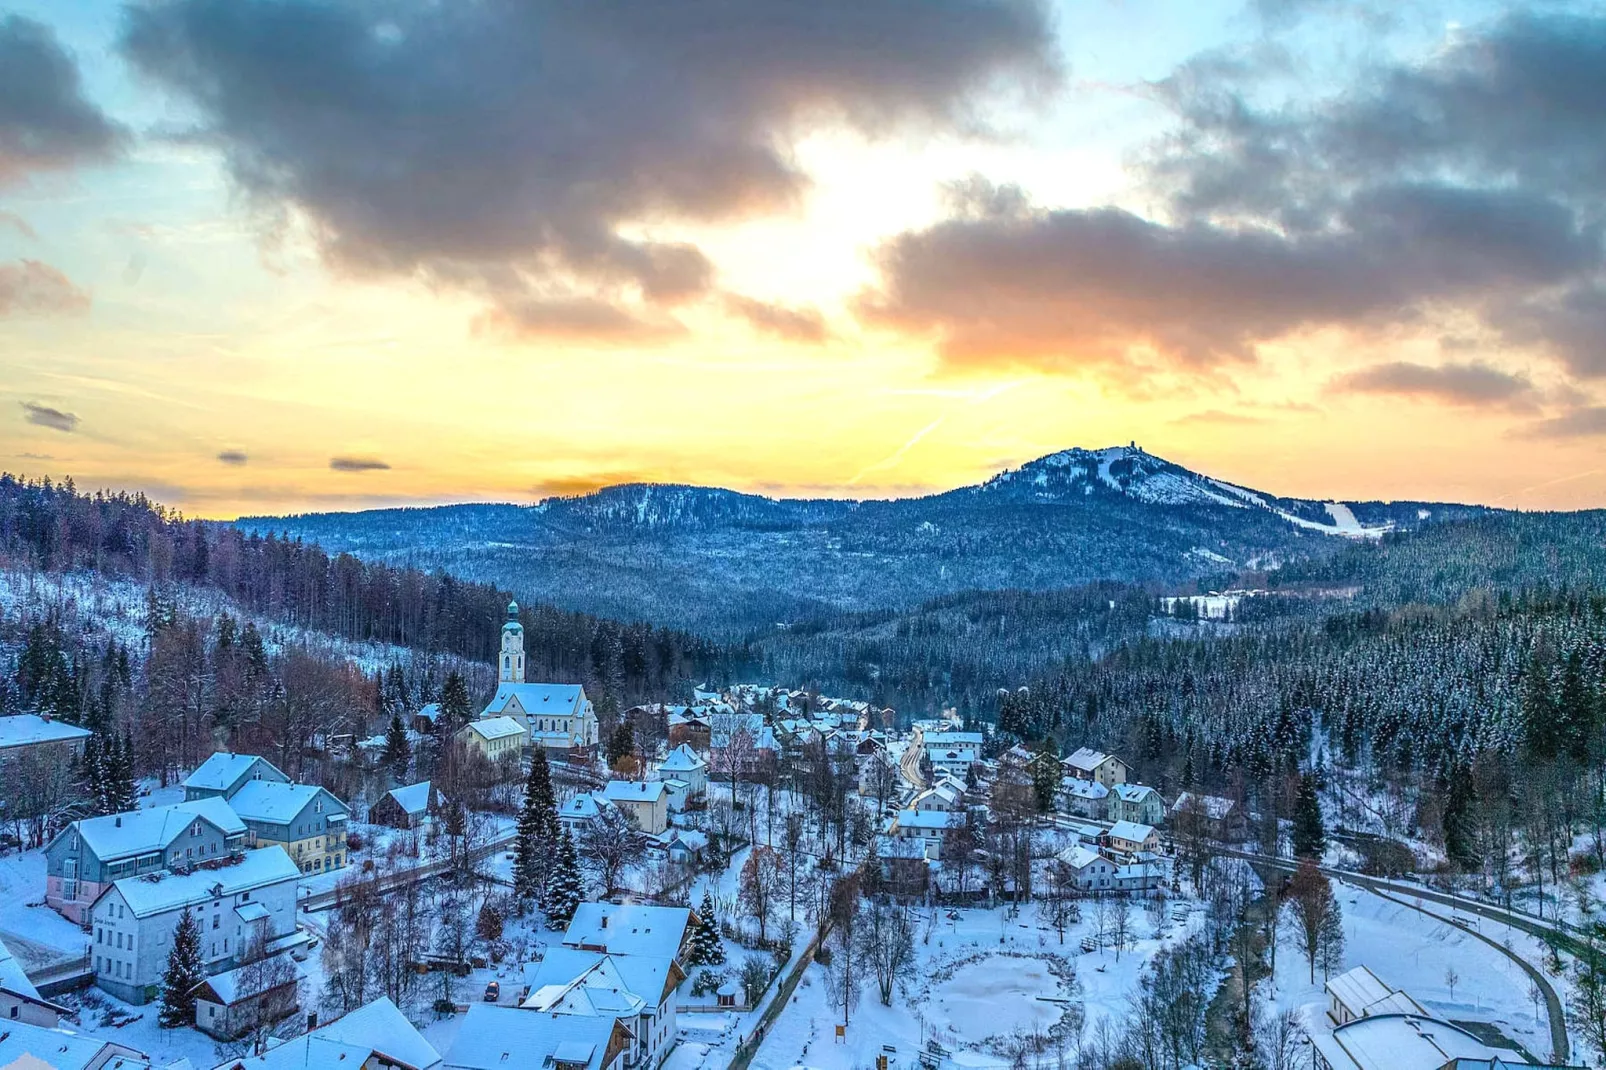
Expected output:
(639, 991)
(375, 1036)
(952, 753)
(512, 1038)
(928, 826)
(1358, 992)
(20, 1001)
(33, 1047)
(1091, 872)
(235, 905)
(581, 812)
(1084, 798)
(684, 767)
(631, 929)
(557, 717)
(1404, 1042)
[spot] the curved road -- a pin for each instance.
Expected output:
(1403, 894)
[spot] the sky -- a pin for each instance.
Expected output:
(269, 256)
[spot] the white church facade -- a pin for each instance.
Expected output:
(558, 717)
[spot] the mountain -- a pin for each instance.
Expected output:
(725, 562)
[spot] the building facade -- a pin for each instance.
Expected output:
(308, 822)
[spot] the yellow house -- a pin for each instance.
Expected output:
(307, 821)
(493, 737)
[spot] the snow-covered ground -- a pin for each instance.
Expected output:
(981, 981)
(1414, 952)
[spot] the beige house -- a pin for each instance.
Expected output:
(493, 738)
(1100, 768)
(645, 800)
(1128, 837)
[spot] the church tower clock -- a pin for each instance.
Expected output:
(511, 670)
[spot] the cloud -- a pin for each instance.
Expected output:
(358, 464)
(1219, 416)
(1458, 384)
(28, 287)
(793, 323)
(235, 458)
(513, 148)
(1582, 422)
(45, 121)
(45, 416)
(1469, 186)
(576, 485)
(19, 224)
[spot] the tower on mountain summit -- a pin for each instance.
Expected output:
(511, 670)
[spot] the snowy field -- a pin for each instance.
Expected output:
(981, 981)
(1414, 952)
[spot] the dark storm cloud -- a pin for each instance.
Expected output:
(789, 322)
(502, 145)
(358, 464)
(1462, 384)
(234, 458)
(1473, 183)
(28, 287)
(45, 416)
(45, 121)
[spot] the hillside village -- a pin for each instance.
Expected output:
(689, 889)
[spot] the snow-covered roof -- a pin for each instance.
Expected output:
(222, 770)
(152, 829)
(562, 700)
(413, 799)
(272, 803)
(628, 929)
(584, 804)
(490, 728)
(1134, 793)
(430, 711)
(157, 893)
(251, 911)
(1083, 789)
(1130, 830)
(691, 839)
(1086, 758)
(590, 982)
(1079, 856)
(1357, 988)
(495, 1038)
(1399, 1042)
(252, 979)
(350, 1042)
(1213, 807)
(930, 819)
(13, 978)
(59, 1049)
(893, 847)
(953, 739)
(22, 729)
(617, 791)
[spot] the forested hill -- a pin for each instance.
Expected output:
(53, 527)
(724, 563)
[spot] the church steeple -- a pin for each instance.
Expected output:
(511, 668)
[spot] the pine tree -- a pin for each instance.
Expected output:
(120, 791)
(537, 830)
(183, 974)
(1310, 837)
(93, 770)
(621, 743)
(455, 709)
(706, 947)
(565, 888)
(398, 750)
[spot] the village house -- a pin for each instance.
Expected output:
(945, 795)
(645, 800)
(742, 745)
(425, 719)
(952, 753)
(27, 736)
(930, 827)
(903, 867)
(250, 902)
(689, 727)
(1137, 803)
(684, 766)
(20, 1001)
(409, 807)
(494, 738)
(307, 821)
(631, 929)
(556, 717)
(1405, 1042)
(223, 774)
(1208, 816)
(878, 773)
(685, 847)
(1087, 764)
(1130, 838)
(639, 991)
(1358, 992)
(375, 1036)
(1084, 798)
(1091, 872)
(262, 992)
(580, 812)
(84, 858)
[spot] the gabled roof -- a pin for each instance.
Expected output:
(348, 1042)
(1086, 758)
(629, 929)
(59, 1049)
(617, 791)
(953, 739)
(160, 892)
(19, 730)
(275, 804)
(561, 700)
(152, 829)
(930, 819)
(490, 728)
(248, 981)
(583, 804)
(1083, 789)
(572, 981)
(1131, 830)
(413, 799)
(1213, 807)
(502, 1038)
(223, 770)
(682, 760)
(14, 980)
(1079, 856)
(1134, 793)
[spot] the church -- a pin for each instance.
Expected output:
(557, 717)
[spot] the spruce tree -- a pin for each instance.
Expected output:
(455, 709)
(537, 830)
(398, 749)
(565, 888)
(183, 974)
(1310, 838)
(121, 794)
(706, 947)
(621, 743)
(93, 769)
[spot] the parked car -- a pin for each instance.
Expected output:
(493, 991)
